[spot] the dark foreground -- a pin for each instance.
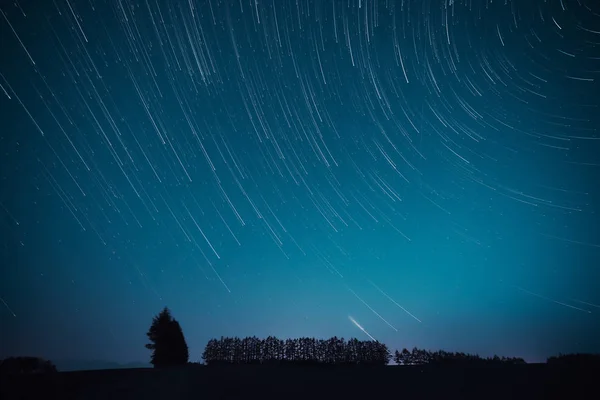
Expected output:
(532, 381)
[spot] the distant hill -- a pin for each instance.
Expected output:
(89, 365)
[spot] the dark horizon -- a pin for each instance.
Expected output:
(421, 173)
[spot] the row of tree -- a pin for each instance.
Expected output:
(420, 356)
(169, 348)
(592, 360)
(252, 350)
(26, 365)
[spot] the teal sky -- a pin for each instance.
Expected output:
(428, 169)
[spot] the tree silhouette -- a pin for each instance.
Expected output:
(289, 350)
(305, 351)
(382, 354)
(209, 355)
(237, 350)
(26, 365)
(441, 357)
(578, 359)
(168, 343)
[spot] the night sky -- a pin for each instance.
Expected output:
(425, 173)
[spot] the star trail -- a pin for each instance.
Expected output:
(424, 173)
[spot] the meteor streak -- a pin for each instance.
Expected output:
(586, 303)
(553, 301)
(393, 301)
(370, 308)
(359, 326)
(9, 309)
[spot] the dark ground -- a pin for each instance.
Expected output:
(532, 381)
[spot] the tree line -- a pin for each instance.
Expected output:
(169, 348)
(252, 350)
(420, 357)
(26, 365)
(581, 359)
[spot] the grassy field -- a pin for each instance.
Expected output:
(532, 381)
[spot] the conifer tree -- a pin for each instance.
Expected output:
(168, 343)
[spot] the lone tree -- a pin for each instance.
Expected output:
(168, 343)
